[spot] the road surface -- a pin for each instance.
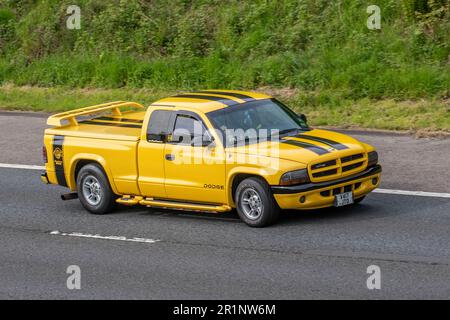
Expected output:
(142, 253)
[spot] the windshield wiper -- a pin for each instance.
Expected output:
(287, 131)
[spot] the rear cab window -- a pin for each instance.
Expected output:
(159, 126)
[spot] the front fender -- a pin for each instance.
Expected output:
(271, 174)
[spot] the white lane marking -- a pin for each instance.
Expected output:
(97, 236)
(385, 191)
(413, 193)
(21, 166)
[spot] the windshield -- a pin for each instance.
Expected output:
(255, 121)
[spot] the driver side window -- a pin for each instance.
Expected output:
(187, 130)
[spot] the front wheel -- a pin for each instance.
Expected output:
(255, 203)
(94, 191)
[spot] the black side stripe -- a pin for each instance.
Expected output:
(58, 160)
(316, 149)
(231, 94)
(119, 119)
(111, 124)
(225, 101)
(331, 143)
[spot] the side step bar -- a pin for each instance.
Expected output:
(184, 205)
(129, 200)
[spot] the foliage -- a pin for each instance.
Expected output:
(311, 45)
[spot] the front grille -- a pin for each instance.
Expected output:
(352, 157)
(325, 173)
(333, 169)
(336, 191)
(352, 166)
(324, 165)
(325, 193)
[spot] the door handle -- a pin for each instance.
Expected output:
(170, 157)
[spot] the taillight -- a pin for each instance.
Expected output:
(44, 154)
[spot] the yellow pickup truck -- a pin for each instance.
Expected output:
(211, 150)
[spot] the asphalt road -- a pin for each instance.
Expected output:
(322, 254)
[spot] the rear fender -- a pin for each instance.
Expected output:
(94, 158)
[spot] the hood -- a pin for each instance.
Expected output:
(315, 146)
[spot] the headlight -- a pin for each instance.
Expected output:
(294, 177)
(372, 158)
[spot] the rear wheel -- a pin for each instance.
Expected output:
(94, 191)
(255, 203)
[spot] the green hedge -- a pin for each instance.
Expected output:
(306, 44)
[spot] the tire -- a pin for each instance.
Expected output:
(98, 198)
(357, 201)
(255, 203)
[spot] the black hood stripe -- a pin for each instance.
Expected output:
(331, 143)
(58, 148)
(230, 94)
(225, 101)
(316, 149)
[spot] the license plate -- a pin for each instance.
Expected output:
(343, 199)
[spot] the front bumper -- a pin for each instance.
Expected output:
(321, 195)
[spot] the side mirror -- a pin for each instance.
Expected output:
(302, 117)
(175, 138)
(202, 141)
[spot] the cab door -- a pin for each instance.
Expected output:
(194, 164)
(151, 154)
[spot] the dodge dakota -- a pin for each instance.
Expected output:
(211, 150)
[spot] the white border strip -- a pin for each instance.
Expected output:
(97, 236)
(413, 193)
(21, 166)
